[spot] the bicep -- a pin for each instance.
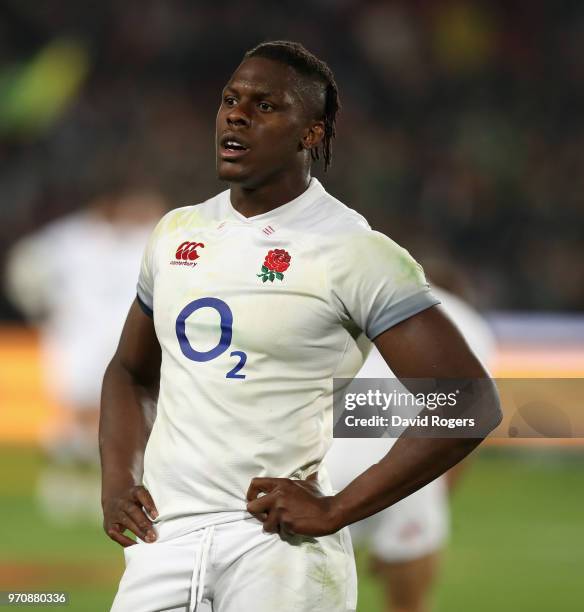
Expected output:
(139, 350)
(428, 345)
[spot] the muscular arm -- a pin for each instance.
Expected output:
(129, 394)
(426, 345)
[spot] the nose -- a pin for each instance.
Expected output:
(238, 117)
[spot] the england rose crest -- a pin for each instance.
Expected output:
(276, 263)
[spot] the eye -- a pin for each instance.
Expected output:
(229, 101)
(265, 107)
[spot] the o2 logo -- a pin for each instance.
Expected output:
(224, 342)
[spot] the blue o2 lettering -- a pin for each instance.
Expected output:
(242, 359)
(226, 326)
(226, 329)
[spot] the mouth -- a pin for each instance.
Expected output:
(232, 147)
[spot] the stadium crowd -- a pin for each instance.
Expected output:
(460, 137)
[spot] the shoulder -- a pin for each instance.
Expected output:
(345, 218)
(72, 225)
(368, 254)
(55, 237)
(349, 236)
(346, 238)
(330, 217)
(191, 216)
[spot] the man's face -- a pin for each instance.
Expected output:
(260, 123)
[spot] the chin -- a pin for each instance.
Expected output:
(231, 173)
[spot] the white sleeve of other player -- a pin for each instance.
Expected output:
(377, 283)
(29, 275)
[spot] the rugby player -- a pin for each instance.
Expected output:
(248, 305)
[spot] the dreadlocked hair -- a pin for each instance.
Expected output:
(295, 55)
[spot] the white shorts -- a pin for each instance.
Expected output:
(413, 528)
(236, 567)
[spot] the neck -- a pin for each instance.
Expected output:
(252, 201)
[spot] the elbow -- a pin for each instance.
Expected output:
(483, 406)
(496, 417)
(493, 413)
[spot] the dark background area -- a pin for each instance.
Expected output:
(461, 134)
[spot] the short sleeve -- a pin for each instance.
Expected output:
(376, 283)
(145, 286)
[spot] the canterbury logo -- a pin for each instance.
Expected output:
(188, 250)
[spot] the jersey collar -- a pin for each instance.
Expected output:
(313, 192)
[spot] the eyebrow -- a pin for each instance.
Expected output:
(258, 93)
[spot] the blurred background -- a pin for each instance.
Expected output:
(461, 137)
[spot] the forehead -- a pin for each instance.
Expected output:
(260, 75)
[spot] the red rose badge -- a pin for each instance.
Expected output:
(277, 261)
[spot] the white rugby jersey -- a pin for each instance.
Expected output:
(255, 316)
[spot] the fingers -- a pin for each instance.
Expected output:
(115, 533)
(139, 520)
(128, 522)
(262, 485)
(277, 517)
(125, 522)
(272, 522)
(281, 501)
(262, 505)
(266, 485)
(144, 497)
(129, 512)
(288, 506)
(267, 509)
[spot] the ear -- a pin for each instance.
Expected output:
(313, 135)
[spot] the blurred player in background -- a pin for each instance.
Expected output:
(404, 541)
(73, 280)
